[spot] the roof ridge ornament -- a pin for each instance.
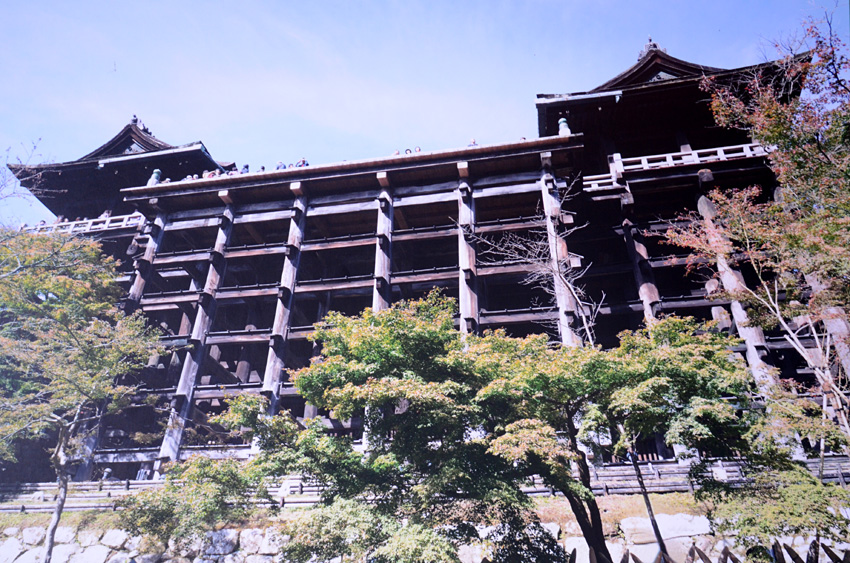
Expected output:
(141, 126)
(649, 47)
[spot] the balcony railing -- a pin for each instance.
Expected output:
(134, 220)
(620, 166)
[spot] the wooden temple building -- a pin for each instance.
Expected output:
(237, 268)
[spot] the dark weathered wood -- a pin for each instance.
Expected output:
(382, 290)
(191, 224)
(195, 358)
(467, 282)
(280, 215)
(702, 556)
(567, 305)
(792, 554)
(283, 306)
(814, 552)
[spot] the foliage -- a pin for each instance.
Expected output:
(456, 424)
(197, 494)
(674, 376)
(64, 346)
(796, 244)
(678, 376)
(452, 418)
(351, 529)
(791, 502)
(796, 247)
(406, 372)
(64, 343)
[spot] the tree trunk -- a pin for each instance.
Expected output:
(645, 494)
(60, 464)
(57, 514)
(586, 510)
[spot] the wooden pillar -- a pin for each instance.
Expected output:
(243, 364)
(381, 294)
(467, 282)
(559, 255)
(182, 404)
(836, 325)
(143, 264)
(285, 297)
(642, 270)
(733, 282)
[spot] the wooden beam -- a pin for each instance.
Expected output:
(641, 270)
(467, 269)
(559, 253)
(283, 307)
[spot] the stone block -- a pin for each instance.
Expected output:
(616, 548)
(272, 542)
(471, 553)
(65, 534)
(149, 558)
(678, 548)
(92, 554)
(34, 535)
(114, 538)
(682, 525)
(259, 559)
(645, 552)
(122, 557)
(639, 530)
(237, 557)
(87, 538)
(553, 528)
(190, 548)
(10, 549)
(582, 552)
(63, 552)
(250, 540)
(35, 555)
(133, 543)
(13, 531)
(222, 542)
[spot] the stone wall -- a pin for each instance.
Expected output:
(256, 545)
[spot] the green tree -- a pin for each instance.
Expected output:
(426, 472)
(673, 377)
(791, 502)
(197, 495)
(64, 347)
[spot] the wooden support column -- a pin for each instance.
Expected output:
(467, 283)
(559, 254)
(381, 294)
(243, 364)
(644, 278)
(182, 404)
(286, 292)
(733, 282)
(143, 264)
(836, 325)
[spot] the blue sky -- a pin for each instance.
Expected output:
(259, 82)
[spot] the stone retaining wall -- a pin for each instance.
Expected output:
(256, 545)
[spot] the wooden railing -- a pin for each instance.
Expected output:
(614, 479)
(702, 156)
(620, 166)
(134, 220)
